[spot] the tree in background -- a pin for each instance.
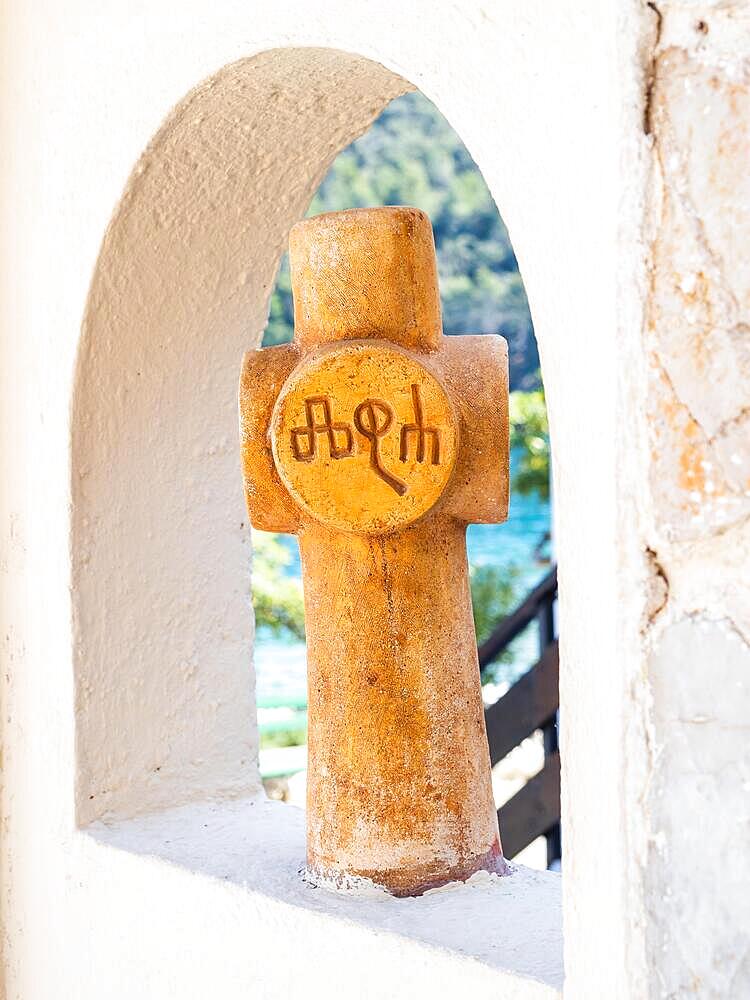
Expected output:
(277, 596)
(411, 156)
(529, 440)
(492, 595)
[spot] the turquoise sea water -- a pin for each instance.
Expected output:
(280, 666)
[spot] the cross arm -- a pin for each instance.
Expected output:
(474, 369)
(264, 372)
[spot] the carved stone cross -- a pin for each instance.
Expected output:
(377, 440)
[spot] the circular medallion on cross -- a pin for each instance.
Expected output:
(364, 437)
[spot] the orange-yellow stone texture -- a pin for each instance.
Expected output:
(377, 440)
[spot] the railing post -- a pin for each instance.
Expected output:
(530, 704)
(546, 620)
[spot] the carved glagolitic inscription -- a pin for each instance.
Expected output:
(314, 426)
(421, 431)
(384, 413)
(366, 418)
(373, 418)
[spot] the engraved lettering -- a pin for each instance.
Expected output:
(373, 418)
(310, 431)
(421, 431)
(367, 420)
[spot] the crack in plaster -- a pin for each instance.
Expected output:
(699, 484)
(650, 74)
(738, 418)
(657, 589)
(673, 163)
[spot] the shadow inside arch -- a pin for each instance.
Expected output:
(160, 552)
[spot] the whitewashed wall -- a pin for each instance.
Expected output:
(613, 142)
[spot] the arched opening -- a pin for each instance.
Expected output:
(165, 708)
(411, 155)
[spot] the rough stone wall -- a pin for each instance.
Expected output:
(698, 522)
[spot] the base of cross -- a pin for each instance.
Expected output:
(412, 880)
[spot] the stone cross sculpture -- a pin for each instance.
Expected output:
(377, 440)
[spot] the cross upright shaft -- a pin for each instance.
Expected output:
(376, 441)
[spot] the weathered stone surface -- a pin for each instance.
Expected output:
(700, 301)
(376, 441)
(699, 859)
(697, 790)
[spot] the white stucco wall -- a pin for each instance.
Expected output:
(127, 687)
(162, 630)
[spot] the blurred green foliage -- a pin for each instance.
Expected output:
(277, 596)
(411, 156)
(295, 735)
(529, 439)
(493, 595)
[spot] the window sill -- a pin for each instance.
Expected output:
(243, 858)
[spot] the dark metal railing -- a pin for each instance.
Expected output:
(530, 704)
